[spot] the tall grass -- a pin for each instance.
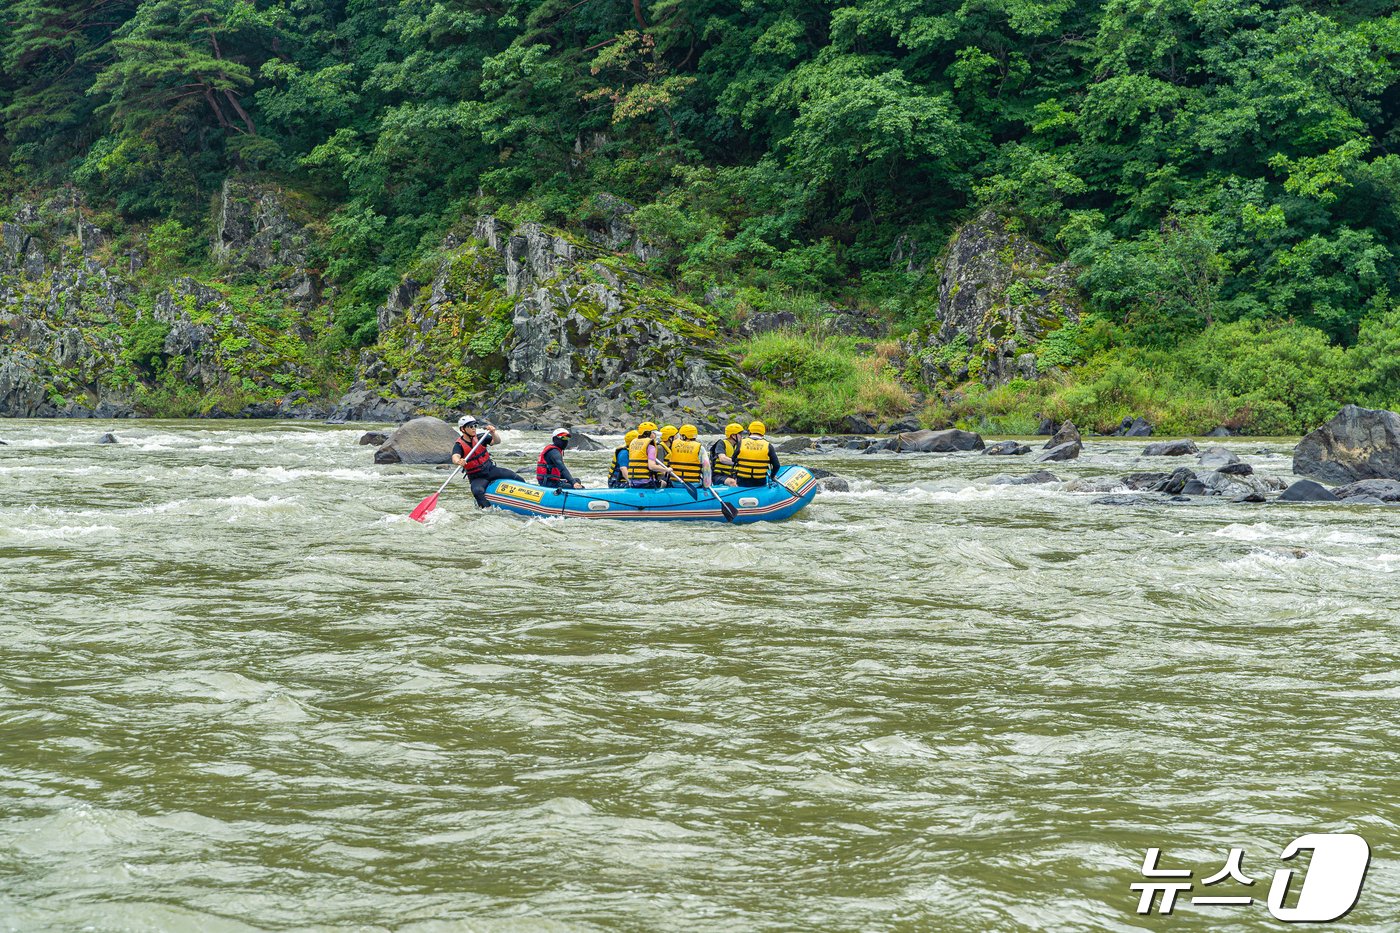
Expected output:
(810, 383)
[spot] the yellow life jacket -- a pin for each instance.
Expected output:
(685, 459)
(637, 469)
(752, 462)
(722, 469)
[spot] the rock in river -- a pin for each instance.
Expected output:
(107, 439)
(1358, 443)
(1170, 448)
(422, 440)
(938, 441)
(1030, 479)
(1213, 458)
(1067, 434)
(1386, 490)
(373, 438)
(1006, 448)
(1069, 451)
(1305, 490)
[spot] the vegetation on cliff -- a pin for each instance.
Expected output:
(1220, 176)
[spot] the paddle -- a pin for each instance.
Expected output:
(730, 513)
(427, 505)
(688, 488)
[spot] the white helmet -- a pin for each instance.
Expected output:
(465, 420)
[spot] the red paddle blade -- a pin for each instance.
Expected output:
(427, 505)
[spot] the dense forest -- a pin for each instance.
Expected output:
(1221, 172)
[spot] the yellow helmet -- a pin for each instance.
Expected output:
(646, 427)
(688, 432)
(756, 427)
(733, 428)
(629, 437)
(668, 432)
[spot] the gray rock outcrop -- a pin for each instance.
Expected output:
(1006, 449)
(998, 295)
(1305, 490)
(1065, 434)
(1358, 443)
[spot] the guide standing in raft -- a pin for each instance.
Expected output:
(476, 461)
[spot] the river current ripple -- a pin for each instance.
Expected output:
(239, 690)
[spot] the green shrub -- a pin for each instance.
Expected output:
(145, 343)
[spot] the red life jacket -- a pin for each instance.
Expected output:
(543, 471)
(473, 463)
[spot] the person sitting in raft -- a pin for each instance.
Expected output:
(617, 476)
(685, 455)
(722, 453)
(668, 434)
(550, 471)
(471, 455)
(644, 469)
(757, 459)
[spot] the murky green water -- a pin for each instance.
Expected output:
(239, 690)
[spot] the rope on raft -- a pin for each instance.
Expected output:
(566, 493)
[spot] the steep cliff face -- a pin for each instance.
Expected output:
(536, 328)
(999, 294)
(87, 329)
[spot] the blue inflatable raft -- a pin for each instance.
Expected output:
(783, 498)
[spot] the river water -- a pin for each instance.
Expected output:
(239, 690)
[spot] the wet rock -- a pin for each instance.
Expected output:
(1386, 490)
(903, 427)
(1251, 497)
(1046, 427)
(888, 445)
(794, 445)
(108, 438)
(1236, 469)
(580, 441)
(1066, 433)
(938, 441)
(373, 438)
(1176, 483)
(1129, 499)
(1177, 448)
(1094, 484)
(1305, 490)
(1029, 479)
(1358, 443)
(1142, 480)
(1213, 458)
(1233, 486)
(1069, 451)
(1364, 500)
(422, 440)
(828, 481)
(1006, 449)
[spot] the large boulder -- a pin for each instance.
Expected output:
(1177, 484)
(1176, 448)
(1233, 485)
(1305, 490)
(1069, 451)
(1067, 433)
(924, 442)
(1386, 490)
(1142, 480)
(422, 440)
(1358, 443)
